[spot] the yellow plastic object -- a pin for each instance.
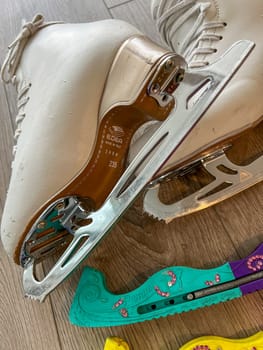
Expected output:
(115, 343)
(255, 342)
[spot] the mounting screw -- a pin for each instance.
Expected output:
(169, 64)
(41, 224)
(60, 206)
(30, 243)
(25, 261)
(179, 76)
(155, 88)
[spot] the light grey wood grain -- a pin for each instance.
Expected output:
(115, 3)
(23, 324)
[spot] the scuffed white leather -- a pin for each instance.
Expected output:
(240, 105)
(67, 65)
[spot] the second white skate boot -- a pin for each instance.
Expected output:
(201, 31)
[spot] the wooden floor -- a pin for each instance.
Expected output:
(137, 246)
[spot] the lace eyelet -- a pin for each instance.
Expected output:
(225, 24)
(220, 37)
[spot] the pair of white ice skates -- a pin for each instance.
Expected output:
(95, 99)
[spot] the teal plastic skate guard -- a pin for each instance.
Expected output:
(161, 295)
(170, 291)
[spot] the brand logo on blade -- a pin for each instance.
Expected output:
(115, 134)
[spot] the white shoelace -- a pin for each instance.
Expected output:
(171, 15)
(11, 63)
(16, 48)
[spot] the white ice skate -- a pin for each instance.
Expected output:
(201, 31)
(83, 91)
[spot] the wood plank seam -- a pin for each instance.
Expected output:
(120, 4)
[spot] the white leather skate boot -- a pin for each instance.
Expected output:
(201, 31)
(82, 92)
(60, 71)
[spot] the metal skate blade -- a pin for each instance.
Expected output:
(236, 178)
(166, 139)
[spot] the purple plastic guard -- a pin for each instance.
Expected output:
(247, 266)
